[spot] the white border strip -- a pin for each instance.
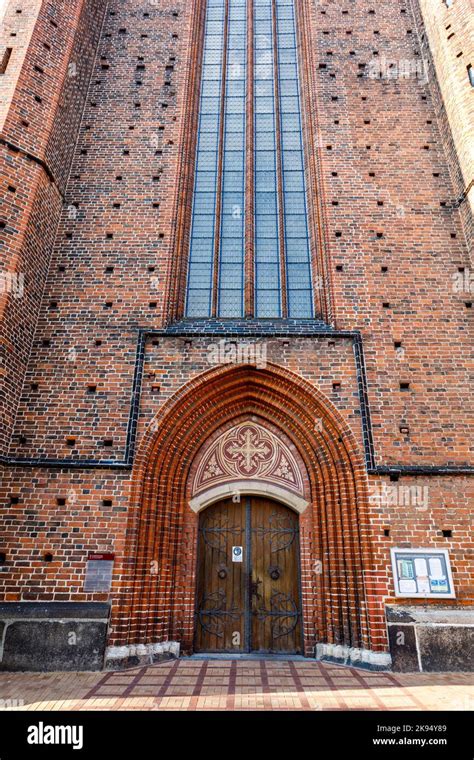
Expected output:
(354, 656)
(238, 488)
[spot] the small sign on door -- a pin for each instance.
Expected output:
(237, 554)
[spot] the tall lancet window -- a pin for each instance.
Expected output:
(249, 243)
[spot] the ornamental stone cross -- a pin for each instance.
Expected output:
(248, 449)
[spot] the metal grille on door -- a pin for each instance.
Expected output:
(248, 578)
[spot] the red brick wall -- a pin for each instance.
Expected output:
(36, 145)
(381, 172)
(416, 246)
(448, 506)
(15, 33)
(448, 42)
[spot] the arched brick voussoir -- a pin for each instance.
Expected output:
(161, 523)
(207, 389)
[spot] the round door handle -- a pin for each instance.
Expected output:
(222, 573)
(274, 573)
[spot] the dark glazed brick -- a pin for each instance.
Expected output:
(51, 610)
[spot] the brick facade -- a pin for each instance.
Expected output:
(108, 394)
(448, 39)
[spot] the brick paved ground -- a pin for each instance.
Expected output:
(189, 684)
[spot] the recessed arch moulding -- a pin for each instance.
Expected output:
(240, 430)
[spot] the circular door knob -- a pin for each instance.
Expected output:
(274, 573)
(222, 573)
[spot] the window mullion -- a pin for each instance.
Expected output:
(279, 168)
(249, 282)
(220, 161)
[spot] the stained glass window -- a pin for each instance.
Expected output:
(278, 239)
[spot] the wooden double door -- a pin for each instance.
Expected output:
(248, 595)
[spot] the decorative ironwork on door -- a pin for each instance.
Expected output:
(248, 596)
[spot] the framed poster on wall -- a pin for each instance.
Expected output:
(424, 573)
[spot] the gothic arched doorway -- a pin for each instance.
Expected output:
(248, 592)
(312, 464)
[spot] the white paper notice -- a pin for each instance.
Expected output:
(407, 587)
(423, 584)
(420, 566)
(436, 568)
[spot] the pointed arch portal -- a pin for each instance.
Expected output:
(310, 462)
